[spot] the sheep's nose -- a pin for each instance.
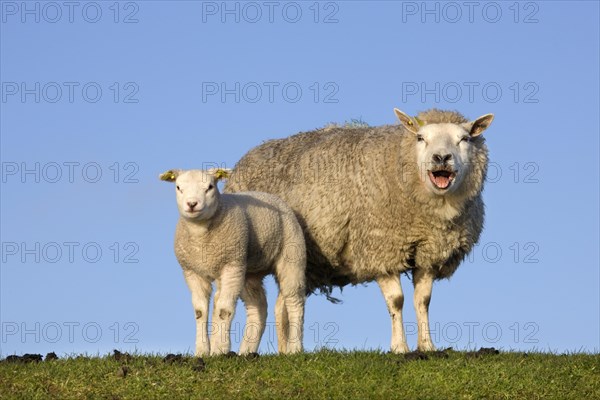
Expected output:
(442, 159)
(192, 204)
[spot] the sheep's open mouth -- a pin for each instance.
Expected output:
(442, 178)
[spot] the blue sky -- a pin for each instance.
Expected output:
(98, 99)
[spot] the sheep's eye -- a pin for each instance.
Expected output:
(210, 187)
(465, 139)
(178, 188)
(420, 138)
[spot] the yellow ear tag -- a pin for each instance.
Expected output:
(168, 176)
(221, 173)
(421, 123)
(410, 123)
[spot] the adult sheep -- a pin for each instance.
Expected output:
(374, 202)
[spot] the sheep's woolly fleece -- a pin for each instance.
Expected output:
(362, 205)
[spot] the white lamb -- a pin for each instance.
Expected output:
(236, 240)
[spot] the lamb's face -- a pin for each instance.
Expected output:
(443, 154)
(197, 195)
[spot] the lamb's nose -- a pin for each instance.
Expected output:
(441, 159)
(192, 204)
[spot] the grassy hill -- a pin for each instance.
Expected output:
(318, 375)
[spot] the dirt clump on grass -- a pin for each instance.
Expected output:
(173, 359)
(484, 351)
(25, 358)
(197, 363)
(118, 356)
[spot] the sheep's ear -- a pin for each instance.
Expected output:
(170, 175)
(409, 123)
(220, 173)
(476, 127)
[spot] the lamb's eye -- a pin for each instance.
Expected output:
(465, 139)
(210, 187)
(178, 188)
(420, 138)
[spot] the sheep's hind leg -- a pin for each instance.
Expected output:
(391, 289)
(255, 300)
(200, 289)
(423, 282)
(231, 282)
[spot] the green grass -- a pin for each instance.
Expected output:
(319, 375)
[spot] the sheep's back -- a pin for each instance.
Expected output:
(338, 183)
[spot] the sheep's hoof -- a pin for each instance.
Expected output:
(231, 354)
(402, 349)
(426, 347)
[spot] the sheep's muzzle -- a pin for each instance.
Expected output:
(442, 177)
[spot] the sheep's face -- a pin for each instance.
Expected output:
(443, 154)
(444, 151)
(197, 195)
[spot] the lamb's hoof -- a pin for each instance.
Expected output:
(252, 356)
(231, 354)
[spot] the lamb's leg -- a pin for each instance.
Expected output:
(255, 299)
(294, 305)
(200, 289)
(213, 325)
(423, 282)
(292, 287)
(230, 288)
(281, 324)
(394, 299)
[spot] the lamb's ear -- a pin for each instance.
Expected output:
(220, 173)
(409, 123)
(170, 175)
(476, 127)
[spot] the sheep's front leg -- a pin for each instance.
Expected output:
(423, 282)
(230, 284)
(255, 299)
(394, 299)
(200, 289)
